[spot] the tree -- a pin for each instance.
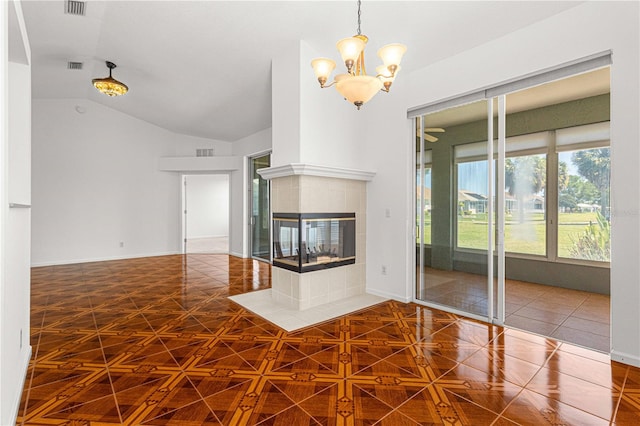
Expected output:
(563, 176)
(595, 166)
(524, 177)
(567, 201)
(578, 190)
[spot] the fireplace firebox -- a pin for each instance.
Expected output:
(304, 242)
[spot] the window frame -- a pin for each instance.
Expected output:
(551, 194)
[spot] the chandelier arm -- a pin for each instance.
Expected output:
(324, 86)
(393, 74)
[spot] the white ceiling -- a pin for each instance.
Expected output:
(204, 68)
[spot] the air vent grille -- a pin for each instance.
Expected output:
(74, 65)
(73, 7)
(204, 152)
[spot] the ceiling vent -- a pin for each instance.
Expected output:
(73, 7)
(74, 65)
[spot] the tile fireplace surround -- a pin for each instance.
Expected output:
(303, 188)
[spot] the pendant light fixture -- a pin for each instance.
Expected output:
(109, 85)
(356, 86)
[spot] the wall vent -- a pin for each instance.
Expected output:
(73, 7)
(205, 152)
(74, 65)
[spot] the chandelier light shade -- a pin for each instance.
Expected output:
(323, 68)
(391, 54)
(109, 85)
(356, 86)
(358, 89)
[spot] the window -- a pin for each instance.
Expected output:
(471, 201)
(582, 173)
(584, 167)
(525, 205)
(423, 191)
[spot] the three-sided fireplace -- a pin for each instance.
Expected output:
(304, 242)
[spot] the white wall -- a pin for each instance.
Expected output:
(285, 110)
(257, 143)
(253, 144)
(15, 166)
(584, 30)
(312, 125)
(186, 145)
(96, 184)
(207, 206)
(330, 127)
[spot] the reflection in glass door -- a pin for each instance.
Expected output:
(259, 209)
(454, 204)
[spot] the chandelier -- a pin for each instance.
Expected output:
(109, 85)
(356, 86)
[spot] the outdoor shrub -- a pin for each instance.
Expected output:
(594, 243)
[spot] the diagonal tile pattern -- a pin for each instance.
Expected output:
(155, 341)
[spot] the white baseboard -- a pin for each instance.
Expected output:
(625, 358)
(235, 254)
(387, 295)
(101, 259)
(206, 236)
(18, 395)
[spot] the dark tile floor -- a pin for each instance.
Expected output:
(155, 341)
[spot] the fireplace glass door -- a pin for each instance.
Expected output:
(304, 242)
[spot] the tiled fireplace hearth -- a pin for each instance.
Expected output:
(310, 189)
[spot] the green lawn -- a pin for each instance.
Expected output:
(528, 237)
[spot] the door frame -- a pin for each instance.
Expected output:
(249, 215)
(183, 211)
(495, 312)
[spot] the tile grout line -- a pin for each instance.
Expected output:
(106, 365)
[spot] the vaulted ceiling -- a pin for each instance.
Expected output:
(203, 68)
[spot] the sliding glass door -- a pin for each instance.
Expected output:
(260, 210)
(454, 205)
(512, 192)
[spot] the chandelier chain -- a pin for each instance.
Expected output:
(359, 33)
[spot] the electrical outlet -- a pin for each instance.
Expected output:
(383, 270)
(121, 244)
(387, 213)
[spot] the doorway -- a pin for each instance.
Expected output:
(259, 209)
(205, 216)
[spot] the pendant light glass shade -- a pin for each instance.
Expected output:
(323, 67)
(391, 54)
(109, 85)
(359, 89)
(350, 49)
